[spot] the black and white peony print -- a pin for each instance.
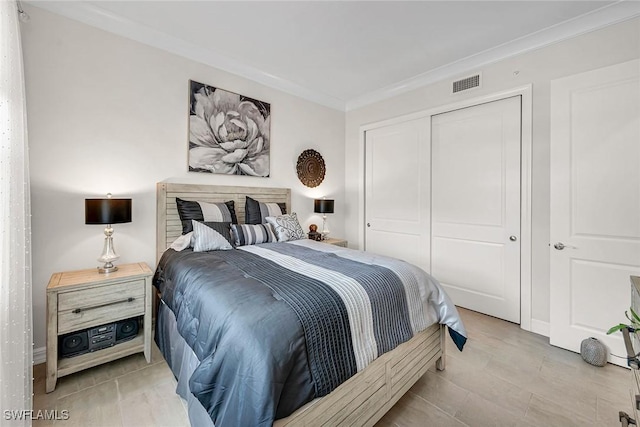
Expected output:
(228, 133)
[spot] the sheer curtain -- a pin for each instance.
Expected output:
(16, 354)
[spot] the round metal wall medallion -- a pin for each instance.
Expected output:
(310, 168)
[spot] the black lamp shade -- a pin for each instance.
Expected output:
(107, 211)
(323, 206)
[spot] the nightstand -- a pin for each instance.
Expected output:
(335, 242)
(83, 299)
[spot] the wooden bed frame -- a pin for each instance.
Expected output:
(367, 396)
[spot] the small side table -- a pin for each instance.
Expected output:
(336, 242)
(78, 300)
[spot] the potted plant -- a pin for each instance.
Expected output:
(633, 326)
(627, 329)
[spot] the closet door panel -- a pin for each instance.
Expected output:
(397, 181)
(475, 243)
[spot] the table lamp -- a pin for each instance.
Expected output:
(323, 206)
(107, 212)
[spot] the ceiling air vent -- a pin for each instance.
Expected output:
(466, 83)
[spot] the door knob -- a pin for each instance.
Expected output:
(513, 238)
(560, 246)
(368, 225)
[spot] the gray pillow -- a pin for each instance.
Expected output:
(205, 211)
(206, 238)
(255, 212)
(252, 234)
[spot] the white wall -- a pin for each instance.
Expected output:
(601, 48)
(107, 114)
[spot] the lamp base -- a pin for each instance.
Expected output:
(105, 269)
(108, 253)
(325, 230)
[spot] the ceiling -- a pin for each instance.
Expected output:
(348, 53)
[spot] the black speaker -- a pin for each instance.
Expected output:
(127, 329)
(73, 344)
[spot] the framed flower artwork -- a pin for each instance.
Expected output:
(228, 133)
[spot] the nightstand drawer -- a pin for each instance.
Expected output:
(98, 305)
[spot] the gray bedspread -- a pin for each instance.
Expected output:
(279, 324)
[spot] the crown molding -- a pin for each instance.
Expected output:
(599, 18)
(97, 17)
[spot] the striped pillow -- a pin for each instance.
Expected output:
(203, 211)
(252, 234)
(255, 212)
(206, 238)
(224, 228)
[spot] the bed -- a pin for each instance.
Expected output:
(360, 400)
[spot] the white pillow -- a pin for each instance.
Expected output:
(287, 227)
(182, 242)
(208, 239)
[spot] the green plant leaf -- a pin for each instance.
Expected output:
(616, 328)
(636, 318)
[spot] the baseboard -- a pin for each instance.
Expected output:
(539, 327)
(39, 355)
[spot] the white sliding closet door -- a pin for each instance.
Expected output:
(475, 246)
(397, 184)
(595, 203)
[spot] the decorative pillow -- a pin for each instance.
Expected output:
(203, 211)
(255, 212)
(287, 227)
(206, 238)
(224, 228)
(252, 234)
(182, 242)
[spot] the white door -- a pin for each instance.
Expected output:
(397, 182)
(595, 203)
(475, 246)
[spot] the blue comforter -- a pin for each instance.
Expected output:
(277, 325)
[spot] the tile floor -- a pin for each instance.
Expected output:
(125, 392)
(509, 377)
(505, 377)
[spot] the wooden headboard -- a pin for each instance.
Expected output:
(169, 227)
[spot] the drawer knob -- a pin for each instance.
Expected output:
(80, 310)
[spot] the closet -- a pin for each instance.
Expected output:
(443, 191)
